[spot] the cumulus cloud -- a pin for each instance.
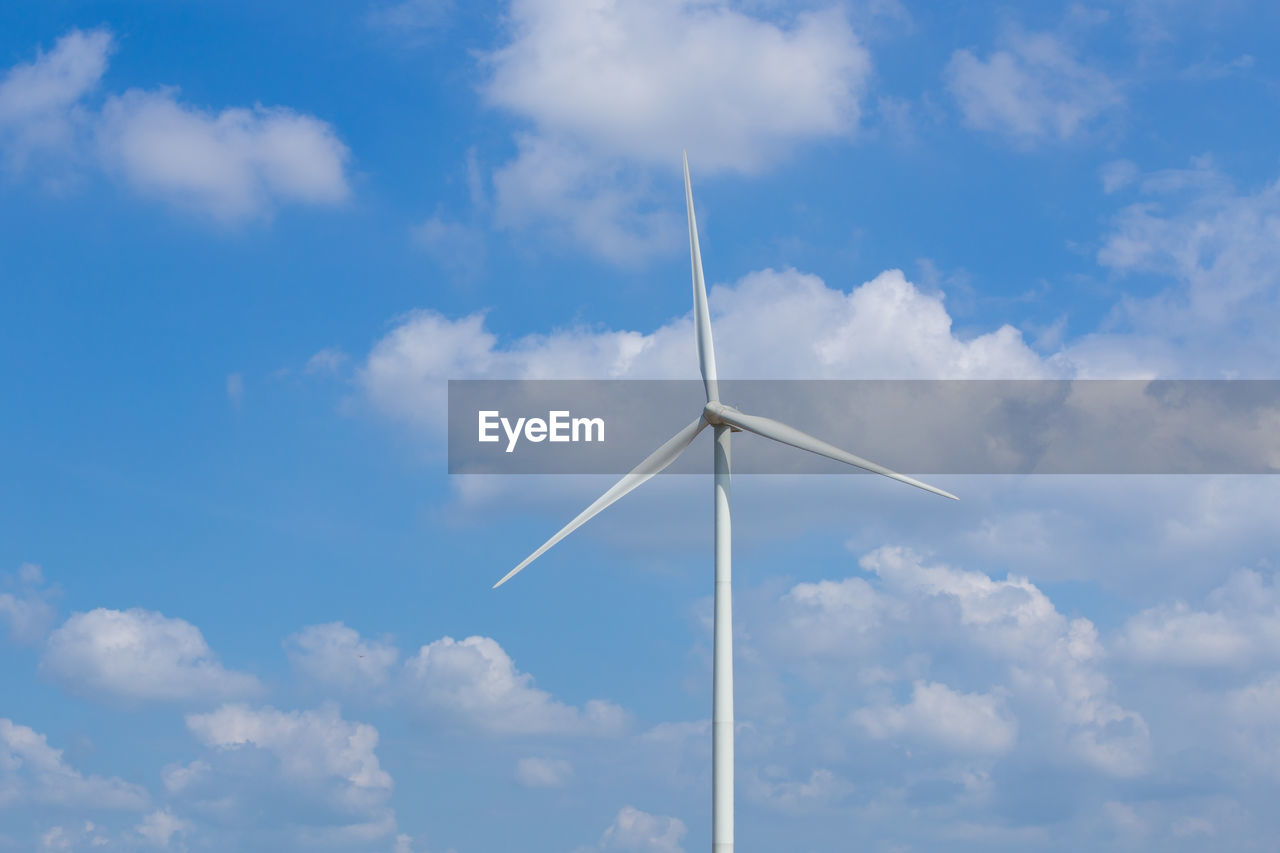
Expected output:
(543, 772)
(773, 787)
(606, 208)
(962, 722)
(1252, 712)
(74, 836)
(475, 682)
(641, 832)
(885, 328)
(309, 744)
(335, 656)
(233, 164)
(1239, 627)
(619, 85)
(328, 360)
(179, 777)
(832, 618)
(159, 828)
(34, 773)
(643, 79)
(1032, 89)
(1053, 662)
(472, 683)
(1029, 662)
(1010, 616)
(315, 765)
(139, 655)
(27, 610)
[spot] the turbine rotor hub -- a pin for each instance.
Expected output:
(714, 411)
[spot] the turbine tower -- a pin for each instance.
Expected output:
(725, 420)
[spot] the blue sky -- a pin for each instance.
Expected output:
(244, 607)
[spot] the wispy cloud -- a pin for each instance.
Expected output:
(1033, 89)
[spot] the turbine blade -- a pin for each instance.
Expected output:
(701, 317)
(769, 428)
(654, 463)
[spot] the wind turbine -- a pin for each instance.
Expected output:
(725, 420)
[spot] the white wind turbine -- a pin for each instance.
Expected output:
(726, 420)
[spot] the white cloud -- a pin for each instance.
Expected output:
(55, 80)
(641, 832)
(1212, 252)
(1216, 252)
(472, 682)
(456, 247)
(34, 773)
(231, 165)
(475, 682)
(643, 80)
(309, 744)
(831, 617)
(28, 611)
(1190, 826)
(159, 828)
(1252, 717)
(1217, 242)
(413, 18)
(139, 655)
(1118, 174)
(328, 360)
(1175, 537)
(56, 838)
(336, 656)
(39, 100)
(1052, 661)
(623, 84)
(179, 777)
(1026, 672)
(772, 787)
(1010, 616)
(318, 761)
(237, 164)
(1239, 627)
(235, 389)
(885, 328)
(86, 836)
(606, 208)
(271, 779)
(1258, 702)
(1124, 818)
(1032, 89)
(961, 722)
(543, 772)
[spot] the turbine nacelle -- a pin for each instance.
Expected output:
(714, 411)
